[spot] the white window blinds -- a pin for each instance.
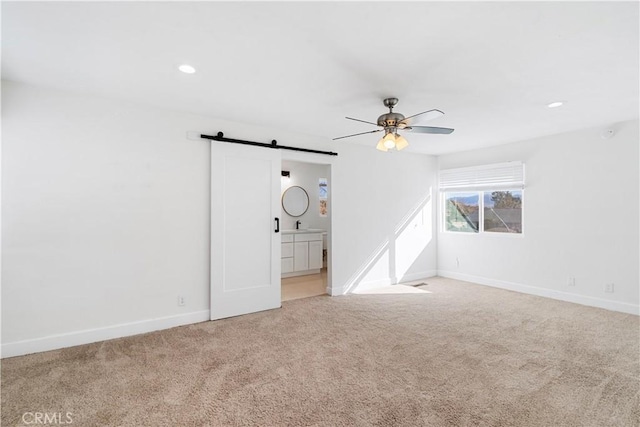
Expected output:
(485, 177)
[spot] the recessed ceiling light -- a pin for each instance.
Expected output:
(555, 104)
(187, 69)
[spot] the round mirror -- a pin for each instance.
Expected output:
(295, 201)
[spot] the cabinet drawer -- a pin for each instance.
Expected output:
(286, 238)
(286, 265)
(306, 237)
(287, 250)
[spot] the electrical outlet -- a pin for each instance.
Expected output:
(608, 288)
(571, 281)
(181, 301)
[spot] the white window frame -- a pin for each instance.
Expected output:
(481, 230)
(508, 176)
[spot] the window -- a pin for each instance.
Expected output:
(503, 211)
(483, 199)
(462, 212)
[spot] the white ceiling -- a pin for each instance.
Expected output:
(490, 66)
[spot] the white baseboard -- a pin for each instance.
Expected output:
(88, 336)
(417, 276)
(372, 284)
(544, 292)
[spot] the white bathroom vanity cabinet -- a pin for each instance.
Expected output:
(301, 252)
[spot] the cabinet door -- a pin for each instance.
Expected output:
(287, 265)
(287, 250)
(300, 256)
(315, 255)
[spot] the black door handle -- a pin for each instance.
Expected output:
(277, 230)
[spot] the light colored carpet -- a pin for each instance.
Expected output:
(457, 354)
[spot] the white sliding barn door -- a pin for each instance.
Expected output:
(245, 247)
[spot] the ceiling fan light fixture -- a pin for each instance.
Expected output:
(389, 140)
(381, 146)
(401, 142)
(391, 122)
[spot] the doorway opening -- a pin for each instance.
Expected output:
(306, 229)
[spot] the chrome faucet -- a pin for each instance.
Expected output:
(298, 225)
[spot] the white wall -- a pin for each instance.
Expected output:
(383, 211)
(305, 175)
(580, 220)
(106, 216)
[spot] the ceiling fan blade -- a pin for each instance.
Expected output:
(429, 129)
(363, 121)
(356, 134)
(424, 116)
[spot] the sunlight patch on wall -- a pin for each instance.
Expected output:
(396, 259)
(412, 239)
(378, 260)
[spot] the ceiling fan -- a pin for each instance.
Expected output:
(392, 122)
